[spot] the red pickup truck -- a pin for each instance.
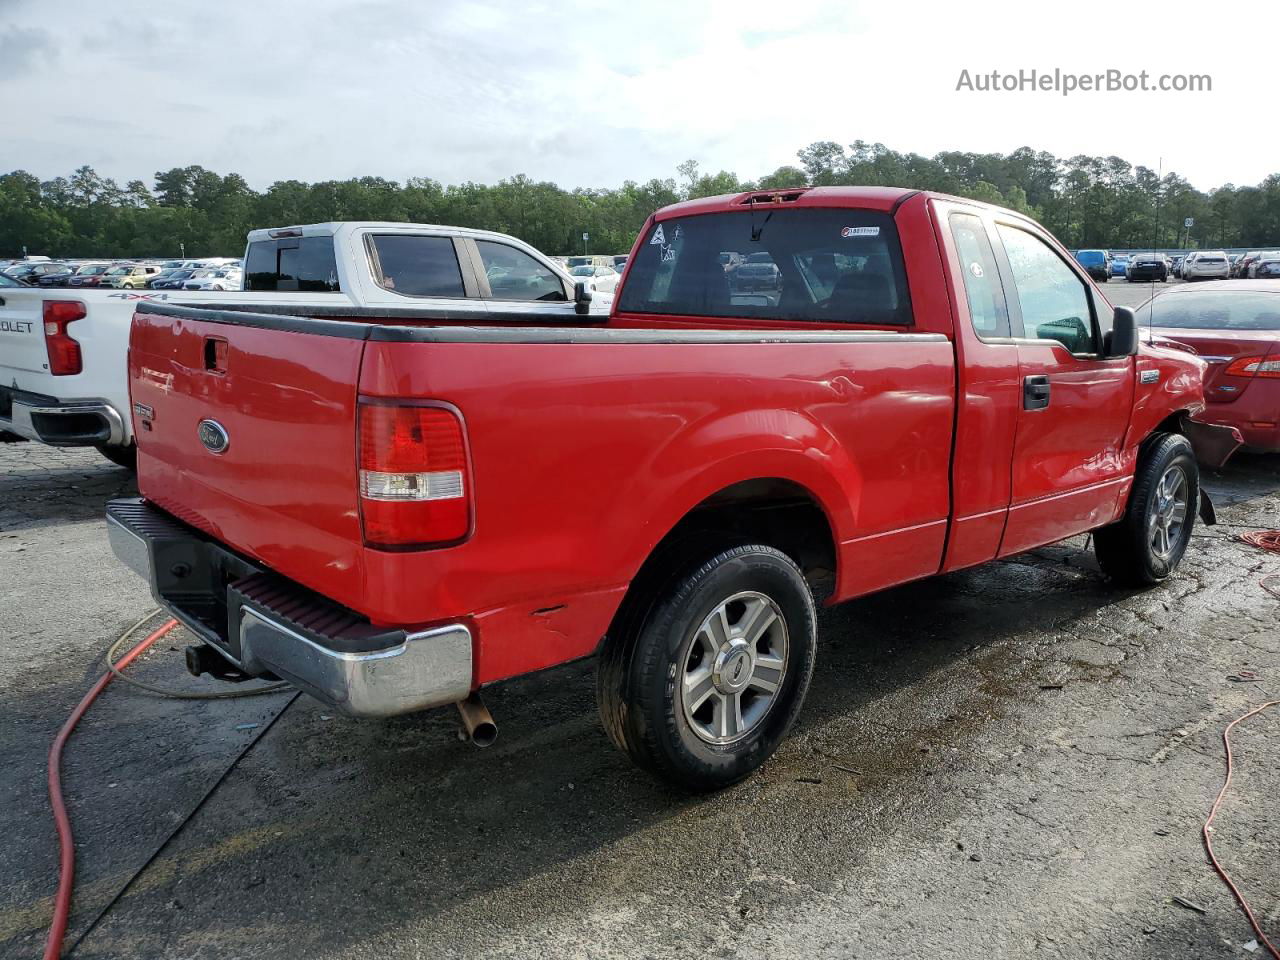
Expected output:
(393, 509)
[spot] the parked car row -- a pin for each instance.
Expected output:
(1102, 265)
(600, 272)
(1257, 264)
(127, 275)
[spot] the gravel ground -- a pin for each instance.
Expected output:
(1005, 762)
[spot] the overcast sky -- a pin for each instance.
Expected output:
(592, 94)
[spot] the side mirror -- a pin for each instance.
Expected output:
(582, 298)
(1122, 341)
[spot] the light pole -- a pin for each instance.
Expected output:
(183, 247)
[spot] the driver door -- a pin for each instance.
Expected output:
(1068, 472)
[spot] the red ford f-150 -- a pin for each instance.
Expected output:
(393, 511)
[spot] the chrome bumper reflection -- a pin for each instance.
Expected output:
(428, 669)
(26, 420)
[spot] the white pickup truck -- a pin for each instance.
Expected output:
(63, 351)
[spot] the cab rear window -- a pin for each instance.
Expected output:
(304, 264)
(818, 265)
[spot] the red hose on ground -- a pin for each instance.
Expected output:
(66, 844)
(1266, 539)
(1208, 831)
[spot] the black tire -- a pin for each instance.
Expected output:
(1124, 549)
(122, 456)
(641, 667)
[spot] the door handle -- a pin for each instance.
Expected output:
(1035, 392)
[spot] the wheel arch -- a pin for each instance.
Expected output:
(774, 511)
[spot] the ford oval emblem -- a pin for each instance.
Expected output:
(213, 435)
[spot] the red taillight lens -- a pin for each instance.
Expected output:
(414, 483)
(64, 352)
(1255, 367)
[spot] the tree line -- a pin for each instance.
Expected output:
(1086, 201)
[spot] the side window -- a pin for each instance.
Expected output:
(1054, 302)
(514, 275)
(982, 286)
(291, 264)
(417, 266)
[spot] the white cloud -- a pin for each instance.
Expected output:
(591, 94)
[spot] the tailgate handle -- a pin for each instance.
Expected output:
(215, 354)
(1035, 392)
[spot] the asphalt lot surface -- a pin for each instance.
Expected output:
(1006, 762)
(1122, 293)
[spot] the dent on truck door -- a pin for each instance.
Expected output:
(1068, 473)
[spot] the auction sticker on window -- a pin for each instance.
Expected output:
(860, 232)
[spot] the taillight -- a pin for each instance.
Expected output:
(1255, 367)
(64, 352)
(414, 484)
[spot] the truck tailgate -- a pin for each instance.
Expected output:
(22, 331)
(283, 491)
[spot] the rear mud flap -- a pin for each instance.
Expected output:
(1207, 514)
(1213, 444)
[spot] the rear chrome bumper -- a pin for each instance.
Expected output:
(72, 423)
(269, 626)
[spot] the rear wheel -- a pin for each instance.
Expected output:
(701, 689)
(1147, 544)
(122, 456)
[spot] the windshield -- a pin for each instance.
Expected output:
(821, 265)
(117, 271)
(92, 271)
(1219, 310)
(582, 271)
(8, 281)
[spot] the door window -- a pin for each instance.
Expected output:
(514, 275)
(982, 287)
(417, 266)
(1054, 302)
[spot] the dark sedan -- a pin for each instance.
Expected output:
(88, 275)
(758, 272)
(1147, 268)
(30, 274)
(170, 280)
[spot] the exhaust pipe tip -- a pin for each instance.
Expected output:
(477, 722)
(484, 734)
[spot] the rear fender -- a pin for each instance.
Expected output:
(763, 444)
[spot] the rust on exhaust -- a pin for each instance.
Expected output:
(477, 721)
